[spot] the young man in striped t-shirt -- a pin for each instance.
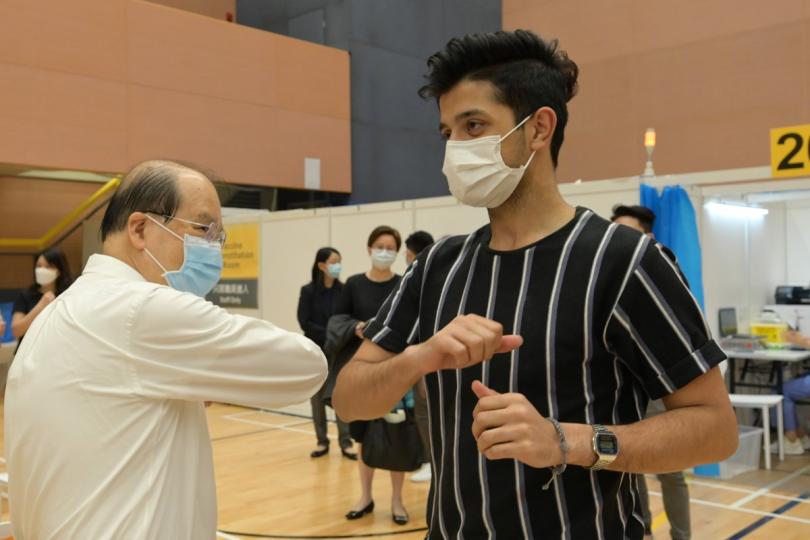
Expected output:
(542, 335)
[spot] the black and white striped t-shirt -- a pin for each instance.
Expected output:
(607, 324)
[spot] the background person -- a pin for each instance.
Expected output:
(316, 305)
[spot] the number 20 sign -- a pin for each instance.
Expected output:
(790, 151)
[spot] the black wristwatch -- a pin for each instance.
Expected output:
(605, 446)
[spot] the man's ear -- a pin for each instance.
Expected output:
(540, 128)
(136, 226)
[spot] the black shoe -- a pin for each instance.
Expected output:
(357, 514)
(400, 520)
(348, 454)
(320, 452)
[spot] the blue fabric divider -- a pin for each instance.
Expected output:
(5, 310)
(676, 227)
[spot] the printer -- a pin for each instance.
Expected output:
(790, 294)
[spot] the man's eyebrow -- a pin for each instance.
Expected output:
(463, 115)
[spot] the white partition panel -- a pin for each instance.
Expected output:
(350, 227)
(288, 250)
(443, 216)
(798, 242)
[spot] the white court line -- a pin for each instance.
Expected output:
(767, 488)
(283, 427)
(743, 510)
(748, 491)
(221, 534)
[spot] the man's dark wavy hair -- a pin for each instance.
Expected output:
(526, 71)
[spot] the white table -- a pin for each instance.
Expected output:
(764, 402)
(781, 357)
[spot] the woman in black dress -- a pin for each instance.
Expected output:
(316, 304)
(51, 278)
(362, 297)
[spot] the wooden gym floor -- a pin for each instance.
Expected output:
(268, 485)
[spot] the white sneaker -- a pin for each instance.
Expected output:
(792, 448)
(424, 474)
(806, 442)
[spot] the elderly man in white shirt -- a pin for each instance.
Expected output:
(105, 429)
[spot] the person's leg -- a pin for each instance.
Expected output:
(793, 390)
(676, 504)
(397, 506)
(319, 420)
(645, 505)
(420, 412)
(366, 481)
(344, 436)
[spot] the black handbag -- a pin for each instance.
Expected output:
(392, 447)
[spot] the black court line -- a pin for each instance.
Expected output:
(323, 537)
(760, 522)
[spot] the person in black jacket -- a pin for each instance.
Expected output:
(315, 305)
(52, 277)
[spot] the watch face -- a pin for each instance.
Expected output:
(607, 444)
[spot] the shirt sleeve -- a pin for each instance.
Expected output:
(658, 330)
(183, 347)
(22, 304)
(396, 324)
(344, 304)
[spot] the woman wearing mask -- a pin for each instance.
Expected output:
(315, 305)
(362, 297)
(51, 278)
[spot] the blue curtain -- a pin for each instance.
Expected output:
(676, 228)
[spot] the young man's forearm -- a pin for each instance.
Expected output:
(369, 389)
(672, 441)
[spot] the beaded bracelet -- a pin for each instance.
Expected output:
(558, 469)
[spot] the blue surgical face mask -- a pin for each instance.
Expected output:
(202, 264)
(334, 270)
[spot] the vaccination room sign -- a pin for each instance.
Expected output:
(239, 285)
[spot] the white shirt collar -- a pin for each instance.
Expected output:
(111, 266)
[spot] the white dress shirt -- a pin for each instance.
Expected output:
(105, 429)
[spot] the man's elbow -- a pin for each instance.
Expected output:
(726, 434)
(340, 399)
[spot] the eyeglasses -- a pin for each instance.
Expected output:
(213, 233)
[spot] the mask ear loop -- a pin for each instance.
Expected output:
(168, 230)
(515, 128)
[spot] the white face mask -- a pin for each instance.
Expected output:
(476, 173)
(382, 259)
(45, 276)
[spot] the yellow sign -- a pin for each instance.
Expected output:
(240, 255)
(790, 151)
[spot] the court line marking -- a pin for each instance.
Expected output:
(282, 427)
(227, 536)
(744, 490)
(768, 487)
(659, 521)
(743, 510)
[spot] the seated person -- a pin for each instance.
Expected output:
(796, 439)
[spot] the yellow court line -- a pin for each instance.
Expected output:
(39, 244)
(659, 521)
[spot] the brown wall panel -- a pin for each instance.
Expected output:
(86, 37)
(235, 139)
(101, 84)
(59, 119)
(310, 136)
(315, 80)
(600, 133)
(168, 48)
(180, 51)
(210, 8)
(671, 24)
(588, 31)
(28, 208)
(711, 77)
